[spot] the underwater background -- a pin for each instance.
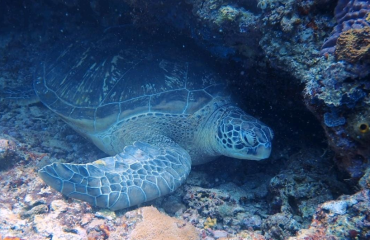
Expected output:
(300, 66)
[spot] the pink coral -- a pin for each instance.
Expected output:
(156, 225)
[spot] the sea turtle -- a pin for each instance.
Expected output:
(156, 109)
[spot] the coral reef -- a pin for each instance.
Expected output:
(226, 203)
(223, 23)
(295, 193)
(345, 218)
(7, 152)
(297, 190)
(337, 88)
(340, 100)
(280, 226)
(349, 14)
(270, 40)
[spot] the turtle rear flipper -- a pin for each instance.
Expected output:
(140, 173)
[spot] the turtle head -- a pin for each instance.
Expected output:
(242, 136)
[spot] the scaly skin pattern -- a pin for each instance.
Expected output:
(140, 173)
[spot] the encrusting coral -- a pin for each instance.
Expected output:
(156, 225)
(354, 45)
(210, 223)
(349, 14)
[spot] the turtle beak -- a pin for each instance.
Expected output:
(262, 152)
(264, 149)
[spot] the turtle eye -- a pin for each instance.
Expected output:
(249, 138)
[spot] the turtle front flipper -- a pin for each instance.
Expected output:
(140, 173)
